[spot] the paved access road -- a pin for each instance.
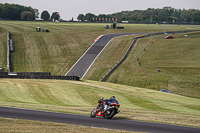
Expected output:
(86, 60)
(114, 123)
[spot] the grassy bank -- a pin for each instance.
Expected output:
(176, 58)
(16, 125)
(109, 57)
(3, 48)
(81, 97)
(59, 49)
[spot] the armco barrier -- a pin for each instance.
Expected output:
(8, 51)
(112, 69)
(123, 58)
(11, 45)
(3, 73)
(40, 77)
(33, 73)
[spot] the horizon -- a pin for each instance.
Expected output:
(70, 9)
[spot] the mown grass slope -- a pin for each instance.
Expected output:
(53, 52)
(109, 57)
(178, 60)
(59, 49)
(3, 48)
(81, 97)
(23, 126)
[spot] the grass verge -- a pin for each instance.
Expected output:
(24, 126)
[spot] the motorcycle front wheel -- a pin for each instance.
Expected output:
(93, 113)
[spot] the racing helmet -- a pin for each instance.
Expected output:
(101, 99)
(112, 97)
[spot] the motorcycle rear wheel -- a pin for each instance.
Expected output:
(110, 113)
(93, 113)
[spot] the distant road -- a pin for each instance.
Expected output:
(81, 67)
(121, 124)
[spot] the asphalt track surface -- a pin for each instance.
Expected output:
(121, 124)
(81, 67)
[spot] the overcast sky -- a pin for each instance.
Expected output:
(72, 8)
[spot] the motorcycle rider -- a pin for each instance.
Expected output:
(100, 105)
(102, 102)
(112, 99)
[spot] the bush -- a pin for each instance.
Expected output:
(26, 15)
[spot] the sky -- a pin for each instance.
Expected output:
(72, 8)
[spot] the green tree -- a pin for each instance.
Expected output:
(27, 15)
(80, 17)
(147, 14)
(185, 16)
(13, 11)
(89, 17)
(194, 15)
(123, 18)
(1, 11)
(55, 16)
(176, 15)
(45, 15)
(163, 15)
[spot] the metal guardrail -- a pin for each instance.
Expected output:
(8, 52)
(36, 75)
(123, 58)
(57, 77)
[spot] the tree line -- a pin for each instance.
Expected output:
(151, 15)
(46, 16)
(20, 12)
(17, 12)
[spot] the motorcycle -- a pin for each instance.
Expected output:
(110, 109)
